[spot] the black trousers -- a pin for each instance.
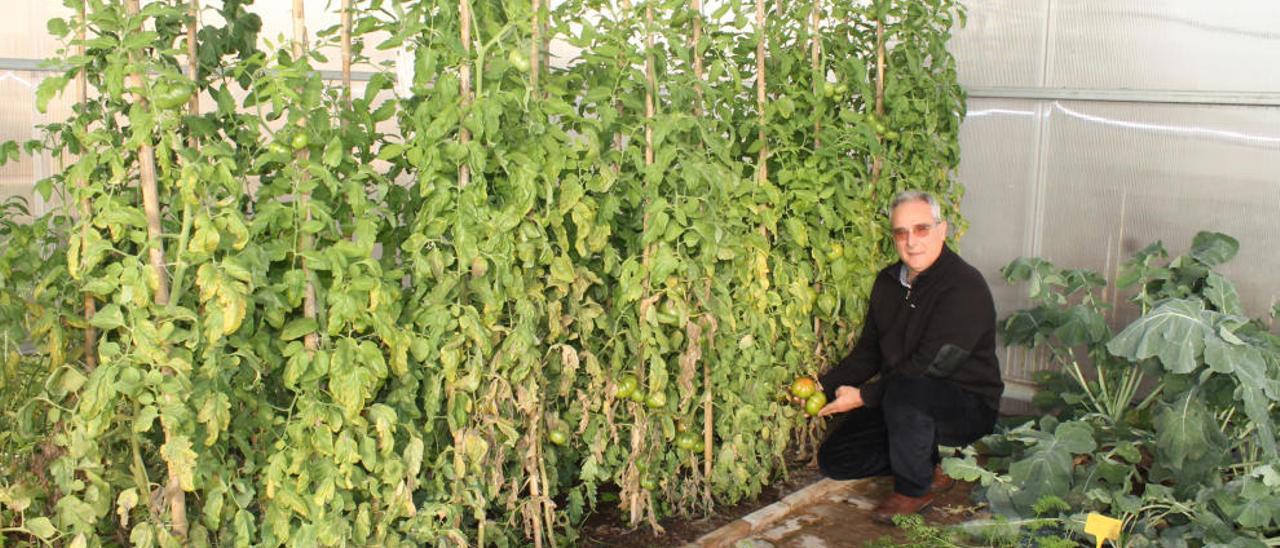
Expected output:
(901, 437)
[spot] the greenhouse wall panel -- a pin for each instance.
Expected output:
(1002, 43)
(1120, 176)
(1164, 44)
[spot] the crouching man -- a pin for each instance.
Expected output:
(924, 370)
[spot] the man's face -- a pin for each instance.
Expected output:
(918, 239)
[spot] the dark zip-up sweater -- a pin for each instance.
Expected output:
(943, 326)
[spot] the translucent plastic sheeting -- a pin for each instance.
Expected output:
(1184, 45)
(1086, 184)
(19, 121)
(1164, 44)
(1002, 43)
(22, 29)
(1118, 176)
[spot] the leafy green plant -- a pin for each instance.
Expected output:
(405, 311)
(1170, 423)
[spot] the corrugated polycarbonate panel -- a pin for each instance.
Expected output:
(1119, 176)
(998, 170)
(1002, 44)
(999, 142)
(22, 30)
(1221, 45)
(18, 122)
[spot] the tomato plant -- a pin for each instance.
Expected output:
(449, 309)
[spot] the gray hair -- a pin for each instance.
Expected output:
(917, 196)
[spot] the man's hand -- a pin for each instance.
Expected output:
(848, 398)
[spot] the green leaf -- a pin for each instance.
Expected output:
(108, 318)
(1213, 248)
(1075, 437)
(181, 459)
(1175, 332)
(1082, 325)
(562, 269)
(333, 152)
(57, 27)
(41, 527)
(1222, 293)
(48, 88)
(968, 469)
(298, 328)
(1188, 441)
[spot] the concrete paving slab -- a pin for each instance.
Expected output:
(831, 513)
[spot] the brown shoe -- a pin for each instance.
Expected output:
(941, 481)
(900, 504)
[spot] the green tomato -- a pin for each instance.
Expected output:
(803, 387)
(656, 400)
(627, 386)
(518, 60)
(172, 94)
(829, 89)
(842, 89)
(558, 436)
(278, 148)
(686, 440)
(637, 396)
(300, 141)
(827, 303)
(815, 403)
(648, 484)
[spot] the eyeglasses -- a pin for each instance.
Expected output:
(919, 231)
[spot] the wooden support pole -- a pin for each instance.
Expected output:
(174, 497)
(346, 53)
(82, 97)
(877, 161)
(312, 340)
(535, 44)
(815, 57)
(464, 72)
(762, 169)
(193, 62)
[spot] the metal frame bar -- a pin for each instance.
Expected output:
(37, 65)
(1225, 98)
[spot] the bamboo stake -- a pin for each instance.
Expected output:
(707, 408)
(531, 466)
(150, 196)
(312, 340)
(762, 170)
(650, 85)
(698, 70)
(642, 500)
(815, 56)
(90, 306)
(464, 73)
(173, 493)
(193, 63)
(346, 54)
(876, 163)
(535, 42)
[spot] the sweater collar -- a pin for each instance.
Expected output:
(928, 273)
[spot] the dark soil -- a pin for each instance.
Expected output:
(608, 526)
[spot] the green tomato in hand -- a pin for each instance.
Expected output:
(815, 403)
